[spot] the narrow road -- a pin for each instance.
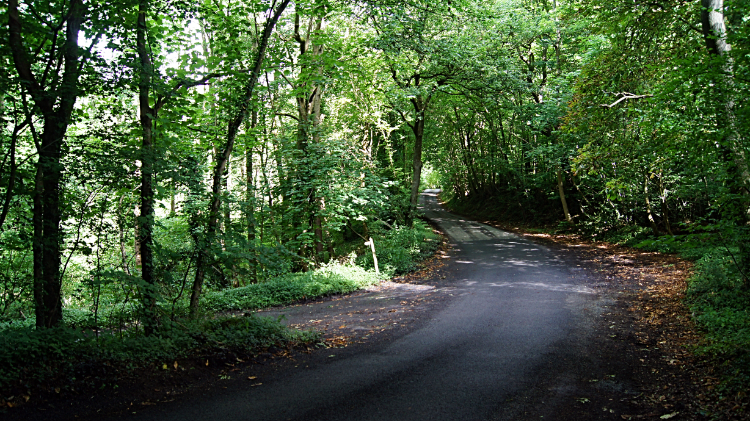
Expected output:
(517, 339)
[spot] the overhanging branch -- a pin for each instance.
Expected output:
(624, 96)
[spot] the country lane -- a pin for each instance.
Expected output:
(515, 340)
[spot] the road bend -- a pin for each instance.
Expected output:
(511, 341)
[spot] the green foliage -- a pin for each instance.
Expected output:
(37, 355)
(62, 356)
(286, 289)
(718, 297)
(401, 249)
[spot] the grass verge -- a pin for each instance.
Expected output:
(71, 360)
(329, 280)
(401, 250)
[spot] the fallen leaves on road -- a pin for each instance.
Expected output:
(651, 288)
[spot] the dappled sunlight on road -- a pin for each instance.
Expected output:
(545, 286)
(516, 262)
(501, 259)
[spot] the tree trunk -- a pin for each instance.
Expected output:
(146, 218)
(250, 198)
(420, 106)
(651, 221)
(56, 108)
(52, 237)
(172, 204)
(308, 111)
(12, 175)
(37, 247)
(240, 115)
(714, 32)
(561, 190)
(664, 206)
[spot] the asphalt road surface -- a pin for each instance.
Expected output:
(515, 341)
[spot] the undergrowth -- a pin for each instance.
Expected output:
(332, 279)
(719, 300)
(83, 355)
(400, 250)
(67, 358)
(32, 359)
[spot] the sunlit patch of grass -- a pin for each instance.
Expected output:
(286, 289)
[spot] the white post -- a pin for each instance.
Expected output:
(371, 243)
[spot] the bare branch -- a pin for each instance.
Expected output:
(625, 96)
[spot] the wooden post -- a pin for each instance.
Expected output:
(371, 243)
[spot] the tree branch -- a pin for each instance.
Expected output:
(21, 61)
(288, 115)
(184, 83)
(625, 96)
(403, 117)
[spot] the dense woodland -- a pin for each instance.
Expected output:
(154, 152)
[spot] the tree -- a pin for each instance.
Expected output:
(414, 38)
(239, 114)
(52, 80)
(715, 34)
(149, 114)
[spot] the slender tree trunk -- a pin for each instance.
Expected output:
(227, 219)
(420, 106)
(250, 198)
(651, 221)
(318, 205)
(137, 237)
(240, 115)
(561, 190)
(12, 175)
(664, 206)
(146, 218)
(172, 204)
(37, 246)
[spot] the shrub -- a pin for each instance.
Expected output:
(32, 357)
(400, 249)
(718, 299)
(332, 279)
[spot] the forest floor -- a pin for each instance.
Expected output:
(647, 331)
